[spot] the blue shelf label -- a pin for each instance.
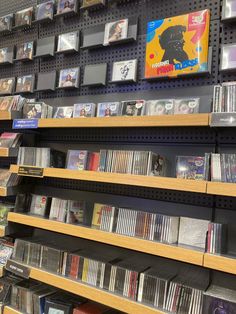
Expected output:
(25, 124)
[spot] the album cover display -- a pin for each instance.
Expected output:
(6, 23)
(228, 9)
(193, 232)
(24, 17)
(58, 210)
(69, 78)
(45, 11)
(63, 112)
(77, 159)
(125, 71)
(177, 45)
(90, 3)
(37, 110)
(186, 106)
(68, 41)
(66, 6)
(85, 110)
(25, 51)
(160, 107)
(7, 85)
(191, 167)
(25, 84)
(228, 57)
(115, 31)
(133, 108)
(12, 103)
(6, 55)
(39, 205)
(75, 212)
(109, 109)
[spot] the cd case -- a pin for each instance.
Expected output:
(63, 112)
(109, 109)
(85, 110)
(25, 51)
(229, 9)
(7, 86)
(228, 57)
(124, 71)
(68, 42)
(45, 11)
(65, 6)
(25, 84)
(69, 78)
(6, 23)
(115, 32)
(24, 17)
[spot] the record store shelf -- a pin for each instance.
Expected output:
(159, 249)
(92, 293)
(201, 119)
(220, 263)
(126, 179)
(221, 188)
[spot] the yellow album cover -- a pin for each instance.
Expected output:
(177, 45)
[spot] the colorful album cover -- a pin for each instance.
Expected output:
(228, 57)
(190, 167)
(25, 84)
(177, 45)
(7, 85)
(124, 71)
(23, 17)
(63, 112)
(115, 31)
(65, 6)
(45, 10)
(68, 41)
(186, 106)
(4, 55)
(25, 51)
(6, 22)
(109, 109)
(77, 159)
(133, 108)
(86, 110)
(32, 111)
(69, 78)
(160, 107)
(229, 9)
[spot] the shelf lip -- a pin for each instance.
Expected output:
(10, 310)
(179, 253)
(221, 188)
(90, 292)
(201, 119)
(9, 115)
(8, 152)
(220, 263)
(125, 179)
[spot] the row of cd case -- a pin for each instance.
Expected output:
(42, 12)
(27, 51)
(94, 75)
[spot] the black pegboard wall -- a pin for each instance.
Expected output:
(147, 10)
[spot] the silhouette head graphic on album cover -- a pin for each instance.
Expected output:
(172, 41)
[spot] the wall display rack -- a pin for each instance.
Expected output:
(171, 134)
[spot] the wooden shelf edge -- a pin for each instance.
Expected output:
(201, 119)
(221, 188)
(125, 179)
(155, 248)
(9, 115)
(220, 263)
(3, 231)
(9, 310)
